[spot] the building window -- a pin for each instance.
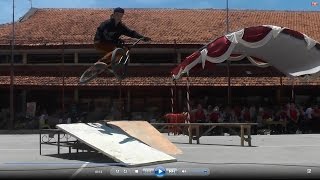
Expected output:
(49, 58)
(6, 58)
(185, 55)
(243, 61)
(154, 58)
(88, 57)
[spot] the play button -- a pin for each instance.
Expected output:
(159, 171)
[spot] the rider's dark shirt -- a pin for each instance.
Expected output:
(109, 32)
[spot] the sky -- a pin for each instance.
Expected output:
(22, 6)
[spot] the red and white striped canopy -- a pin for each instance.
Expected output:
(291, 52)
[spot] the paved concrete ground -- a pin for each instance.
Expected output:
(271, 156)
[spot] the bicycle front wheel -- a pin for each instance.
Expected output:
(90, 74)
(118, 55)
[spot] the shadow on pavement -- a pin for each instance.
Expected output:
(91, 157)
(206, 144)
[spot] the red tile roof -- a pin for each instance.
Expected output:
(133, 71)
(26, 75)
(49, 81)
(164, 26)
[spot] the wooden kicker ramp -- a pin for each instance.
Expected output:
(132, 143)
(145, 132)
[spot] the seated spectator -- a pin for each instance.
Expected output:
(228, 114)
(315, 123)
(209, 112)
(200, 114)
(215, 115)
(293, 115)
(283, 114)
(253, 113)
(260, 118)
(236, 113)
(245, 114)
(43, 120)
(306, 124)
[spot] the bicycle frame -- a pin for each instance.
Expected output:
(128, 50)
(93, 71)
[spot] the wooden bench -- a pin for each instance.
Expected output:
(283, 123)
(245, 129)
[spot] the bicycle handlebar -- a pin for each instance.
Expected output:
(135, 43)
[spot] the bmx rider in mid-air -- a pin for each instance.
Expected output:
(107, 36)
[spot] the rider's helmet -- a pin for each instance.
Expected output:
(119, 10)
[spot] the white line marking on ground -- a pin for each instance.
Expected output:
(24, 149)
(292, 146)
(254, 146)
(79, 170)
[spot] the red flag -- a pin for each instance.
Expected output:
(314, 3)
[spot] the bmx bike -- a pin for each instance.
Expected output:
(119, 63)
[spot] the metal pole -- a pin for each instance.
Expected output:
(121, 106)
(279, 91)
(172, 99)
(229, 83)
(30, 3)
(11, 72)
(227, 16)
(175, 96)
(188, 99)
(63, 108)
(292, 91)
(228, 62)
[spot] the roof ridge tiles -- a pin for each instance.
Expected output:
(183, 9)
(166, 26)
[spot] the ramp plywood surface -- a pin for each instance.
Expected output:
(145, 132)
(116, 144)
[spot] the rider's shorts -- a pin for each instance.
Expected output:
(104, 46)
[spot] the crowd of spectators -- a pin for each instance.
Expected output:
(298, 118)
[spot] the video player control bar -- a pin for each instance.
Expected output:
(160, 171)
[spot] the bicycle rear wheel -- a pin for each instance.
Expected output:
(90, 74)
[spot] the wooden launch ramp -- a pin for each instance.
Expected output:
(132, 143)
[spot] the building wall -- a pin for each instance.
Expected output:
(137, 102)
